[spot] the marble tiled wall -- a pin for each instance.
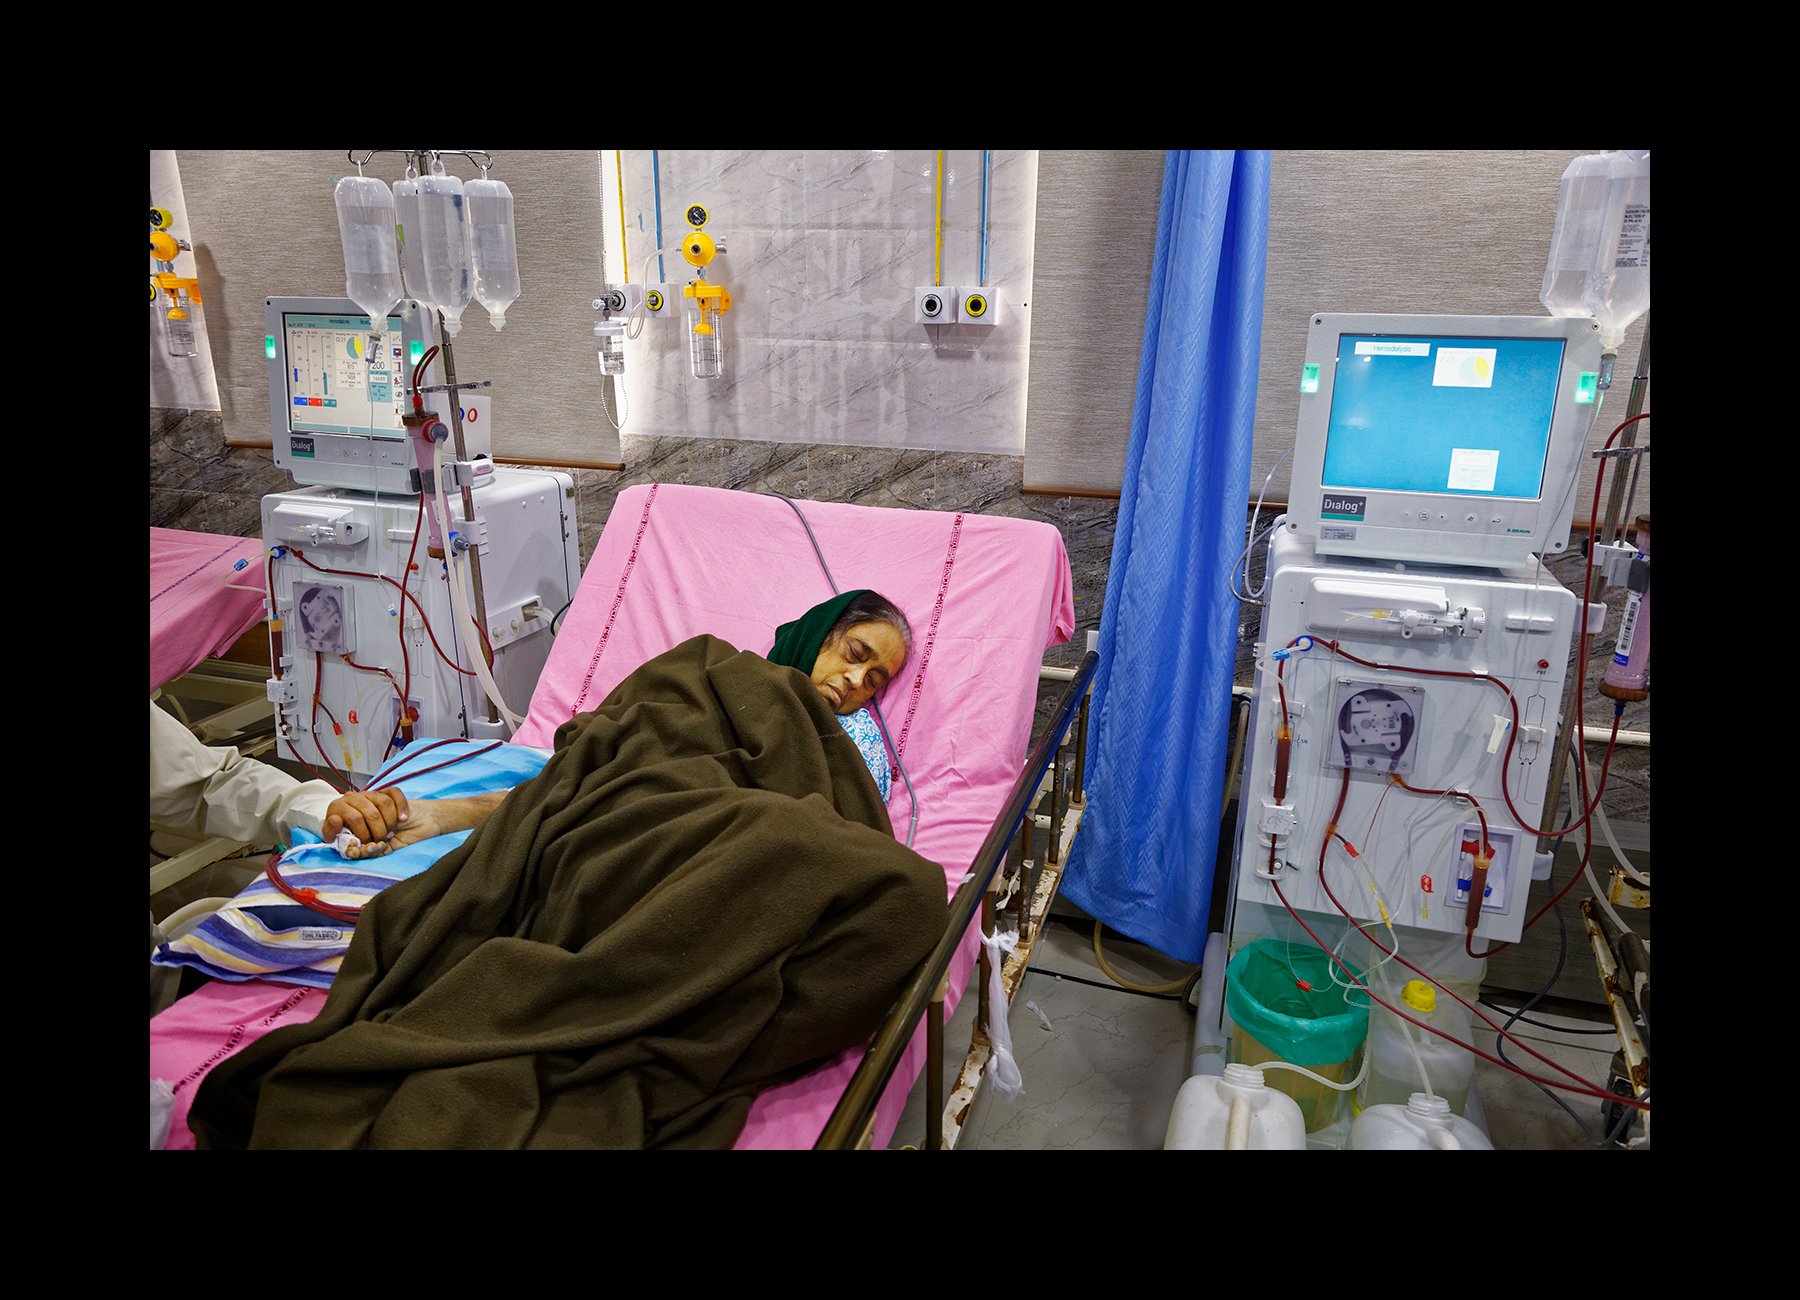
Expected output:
(824, 250)
(199, 484)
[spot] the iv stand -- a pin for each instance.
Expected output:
(420, 158)
(1572, 691)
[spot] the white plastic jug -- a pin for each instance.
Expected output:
(1423, 1124)
(1234, 1112)
(1393, 1068)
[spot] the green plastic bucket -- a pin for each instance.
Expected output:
(1277, 1020)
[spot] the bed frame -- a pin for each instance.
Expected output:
(1007, 884)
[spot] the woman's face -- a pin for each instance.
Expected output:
(852, 667)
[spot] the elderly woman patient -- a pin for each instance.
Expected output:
(851, 647)
(699, 896)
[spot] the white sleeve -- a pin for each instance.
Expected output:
(218, 791)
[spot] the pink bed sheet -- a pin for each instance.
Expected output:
(213, 1022)
(986, 597)
(195, 611)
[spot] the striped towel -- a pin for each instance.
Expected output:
(263, 934)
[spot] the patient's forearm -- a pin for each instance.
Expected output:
(428, 818)
(460, 814)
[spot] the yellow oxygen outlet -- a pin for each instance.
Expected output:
(698, 248)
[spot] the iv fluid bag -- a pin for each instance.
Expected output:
(1599, 264)
(1576, 238)
(411, 236)
(444, 246)
(365, 208)
(1618, 291)
(493, 246)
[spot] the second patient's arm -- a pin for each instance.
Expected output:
(423, 819)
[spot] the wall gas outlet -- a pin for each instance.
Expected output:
(639, 301)
(978, 306)
(934, 305)
(620, 300)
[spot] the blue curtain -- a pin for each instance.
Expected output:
(1143, 859)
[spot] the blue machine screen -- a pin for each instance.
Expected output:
(1440, 414)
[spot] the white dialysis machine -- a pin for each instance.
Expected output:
(371, 644)
(1413, 646)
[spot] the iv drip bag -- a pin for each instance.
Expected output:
(365, 208)
(411, 235)
(444, 245)
(493, 246)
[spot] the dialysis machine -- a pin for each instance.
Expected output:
(1413, 646)
(367, 642)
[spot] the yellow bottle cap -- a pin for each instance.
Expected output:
(1419, 995)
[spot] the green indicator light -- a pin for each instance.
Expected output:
(1587, 386)
(1309, 378)
(418, 350)
(269, 346)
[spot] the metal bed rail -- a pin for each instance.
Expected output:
(853, 1119)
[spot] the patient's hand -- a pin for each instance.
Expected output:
(366, 814)
(425, 818)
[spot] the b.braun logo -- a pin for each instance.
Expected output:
(1342, 507)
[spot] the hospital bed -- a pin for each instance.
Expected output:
(208, 651)
(986, 597)
(205, 596)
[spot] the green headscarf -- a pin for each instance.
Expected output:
(797, 643)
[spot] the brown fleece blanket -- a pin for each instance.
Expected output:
(700, 895)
